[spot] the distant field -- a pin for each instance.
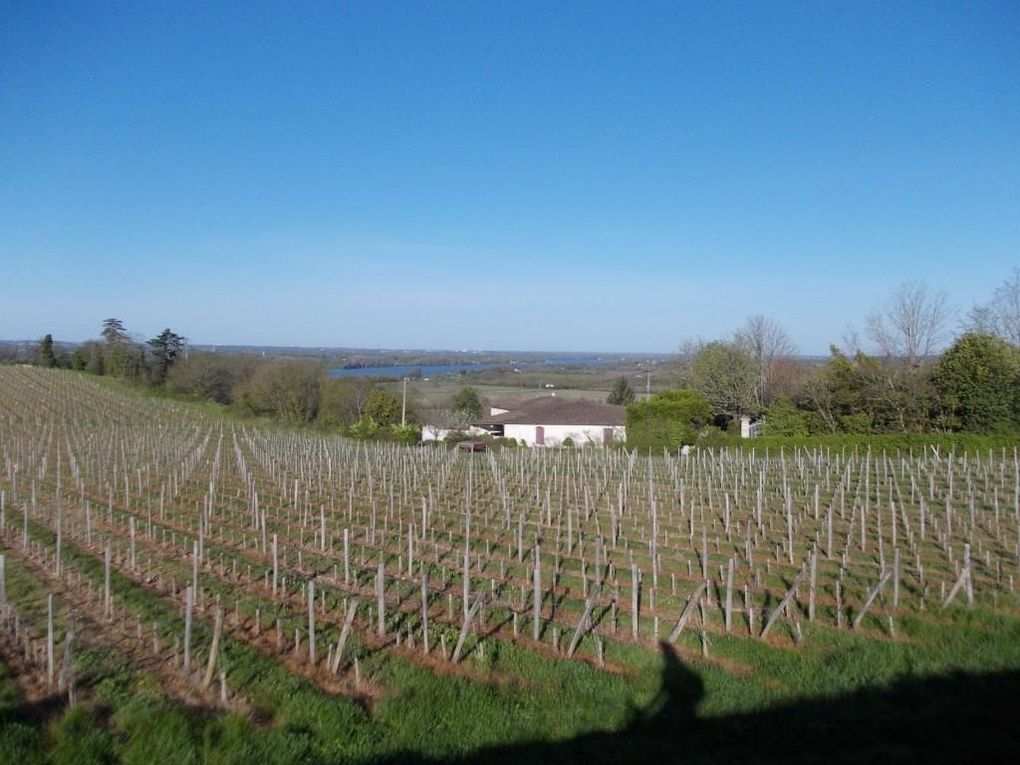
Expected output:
(378, 603)
(440, 391)
(496, 385)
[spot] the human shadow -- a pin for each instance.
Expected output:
(947, 719)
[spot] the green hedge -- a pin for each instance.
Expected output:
(667, 420)
(944, 442)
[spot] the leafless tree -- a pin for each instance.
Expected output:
(440, 420)
(851, 338)
(912, 326)
(1001, 315)
(767, 343)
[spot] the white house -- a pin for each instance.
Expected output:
(550, 420)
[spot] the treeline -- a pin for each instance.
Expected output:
(902, 387)
(116, 353)
(294, 391)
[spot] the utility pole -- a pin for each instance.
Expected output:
(403, 405)
(648, 385)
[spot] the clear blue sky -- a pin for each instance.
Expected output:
(510, 175)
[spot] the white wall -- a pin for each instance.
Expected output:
(555, 434)
(432, 433)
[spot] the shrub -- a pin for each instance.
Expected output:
(667, 420)
(784, 419)
(288, 390)
(363, 429)
(406, 434)
(978, 380)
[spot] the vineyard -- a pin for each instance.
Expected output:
(179, 586)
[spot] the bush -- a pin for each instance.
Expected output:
(406, 434)
(978, 381)
(287, 390)
(363, 429)
(667, 420)
(206, 376)
(382, 407)
(784, 419)
(567, 442)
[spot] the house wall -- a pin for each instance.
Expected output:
(432, 433)
(555, 434)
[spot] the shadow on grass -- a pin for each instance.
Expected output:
(35, 714)
(952, 719)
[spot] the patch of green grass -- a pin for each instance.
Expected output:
(80, 738)
(20, 742)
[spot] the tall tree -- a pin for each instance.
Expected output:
(116, 348)
(908, 332)
(725, 374)
(912, 326)
(166, 347)
(47, 357)
(467, 403)
(113, 332)
(768, 344)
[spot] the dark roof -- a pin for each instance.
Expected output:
(554, 410)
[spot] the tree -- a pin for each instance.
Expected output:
(862, 394)
(79, 360)
(1001, 315)
(382, 408)
(725, 374)
(622, 392)
(978, 384)
(93, 351)
(441, 420)
(166, 347)
(47, 358)
(768, 344)
(210, 376)
(907, 333)
(467, 402)
(668, 420)
(288, 390)
(784, 419)
(113, 331)
(912, 326)
(117, 346)
(344, 399)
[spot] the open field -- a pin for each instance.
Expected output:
(209, 590)
(440, 392)
(502, 383)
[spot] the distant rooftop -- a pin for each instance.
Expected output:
(556, 410)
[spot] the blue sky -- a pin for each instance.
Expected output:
(574, 176)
